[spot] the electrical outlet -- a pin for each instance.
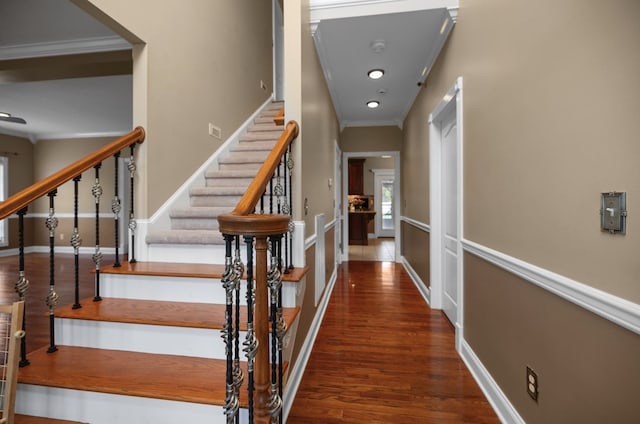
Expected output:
(532, 384)
(214, 131)
(61, 236)
(263, 85)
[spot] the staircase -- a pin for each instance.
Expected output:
(150, 351)
(194, 235)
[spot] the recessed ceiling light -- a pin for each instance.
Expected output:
(372, 104)
(375, 73)
(5, 115)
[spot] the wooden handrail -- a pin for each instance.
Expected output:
(247, 204)
(25, 197)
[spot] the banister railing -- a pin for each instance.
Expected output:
(25, 197)
(19, 203)
(262, 233)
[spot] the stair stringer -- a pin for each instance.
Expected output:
(161, 220)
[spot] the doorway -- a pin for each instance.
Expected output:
(446, 197)
(387, 249)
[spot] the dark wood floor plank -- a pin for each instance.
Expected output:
(383, 356)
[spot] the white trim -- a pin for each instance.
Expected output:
(613, 308)
(299, 257)
(72, 135)
(320, 258)
(65, 47)
(417, 224)
(333, 9)
(496, 397)
(295, 377)
(420, 285)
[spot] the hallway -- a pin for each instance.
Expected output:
(382, 356)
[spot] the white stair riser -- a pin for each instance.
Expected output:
(104, 408)
(186, 253)
(172, 289)
(183, 341)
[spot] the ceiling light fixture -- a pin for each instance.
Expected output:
(5, 115)
(375, 74)
(372, 104)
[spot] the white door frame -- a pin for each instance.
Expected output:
(338, 201)
(345, 192)
(435, 198)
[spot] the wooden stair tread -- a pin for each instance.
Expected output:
(168, 377)
(155, 312)
(28, 419)
(170, 269)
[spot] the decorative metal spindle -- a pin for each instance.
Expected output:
(52, 297)
(232, 402)
(115, 208)
(76, 242)
(262, 201)
(271, 195)
(279, 190)
(281, 327)
(238, 374)
(96, 190)
(251, 342)
(22, 285)
(291, 224)
(274, 282)
(132, 222)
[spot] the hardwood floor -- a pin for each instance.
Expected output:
(382, 356)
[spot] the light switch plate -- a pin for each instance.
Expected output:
(613, 212)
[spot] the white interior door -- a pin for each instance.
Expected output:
(450, 228)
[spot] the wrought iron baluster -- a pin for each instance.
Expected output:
(271, 195)
(52, 297)
(96, 190)
(132, 222)
(22, 285)
(291, 224)
(229, 280)
(238, 374)
(274, 282)
(115, 208)
(251, 342)
(76, 242)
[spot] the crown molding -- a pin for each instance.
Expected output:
(58, 48)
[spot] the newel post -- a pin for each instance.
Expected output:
(258, 227)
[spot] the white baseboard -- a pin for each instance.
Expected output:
(59, 249)
(496, 397)
(420, 285)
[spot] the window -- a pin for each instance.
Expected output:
(4, 175)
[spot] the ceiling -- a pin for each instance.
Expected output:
(74, 99)
(402, 37)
